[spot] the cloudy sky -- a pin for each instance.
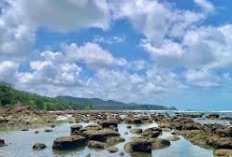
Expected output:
(169, 52)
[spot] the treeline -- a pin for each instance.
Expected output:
(10, 96)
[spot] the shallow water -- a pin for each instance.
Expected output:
(20, 144)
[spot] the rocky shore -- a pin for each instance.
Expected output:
(103, 132)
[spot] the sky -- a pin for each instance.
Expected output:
(168, 52)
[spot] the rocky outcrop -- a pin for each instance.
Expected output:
(68, 142)
(159, 143)
(222, 153)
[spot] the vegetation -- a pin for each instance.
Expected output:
(10, 96)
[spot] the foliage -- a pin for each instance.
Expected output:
(11, 96)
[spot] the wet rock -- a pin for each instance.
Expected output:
(2, 143)
(152, 132)
(48, 130)
(219, 142)
(159, 143)
(67, 142)
(109, 123)
(173, 138)
(25, 129)
(112, 149)
(75, 129)
(121, 153)
(213, 116)
(136, 131)
(96, 145)
(113, 140)
(138, 145)
(128, 126)
(36, 132)
(39, 146)
(100, 135)
(222, 153)
(53, 126)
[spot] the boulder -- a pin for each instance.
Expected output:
(67, 142)
(2, 143)
(114, 140)
(75, 129)
(136, 131)
(39, 146)
(138, 145)
(152, 132)
(109, 123)
(96, 145)
(48, 130)
(112, 149)
(159, 143)
(100, 135)
(213, 116)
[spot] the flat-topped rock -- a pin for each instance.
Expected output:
(67, 142)
(100, 135)
(138, 145)
(109, 123)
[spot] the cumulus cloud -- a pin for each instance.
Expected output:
(8, 70)
(93, 56)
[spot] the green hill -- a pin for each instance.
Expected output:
(10, 96)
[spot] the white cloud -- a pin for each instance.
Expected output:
(93, 56)
(202, 77)
(61, 15)
(8, 70)
(110, 40)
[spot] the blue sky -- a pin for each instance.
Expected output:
(166, 52)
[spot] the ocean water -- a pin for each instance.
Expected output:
(20, 143)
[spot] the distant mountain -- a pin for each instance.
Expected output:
(100, 104)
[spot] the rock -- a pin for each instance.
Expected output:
(36, 132)
(100, 135)
(48, 130)
(53, 126)
(219, 142)
(114, 140)
(39, 146)
(2, 143)
(128, 126)
(108, 123)
(138, 145)
(67, 142)
(121, 153)
(173, 138)
(75, 129)
(213, 116)
(96, 145)
(112, 149)
(159, 143)
(25, 129)
(222, 153)
(136, 131)
(152, 132)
